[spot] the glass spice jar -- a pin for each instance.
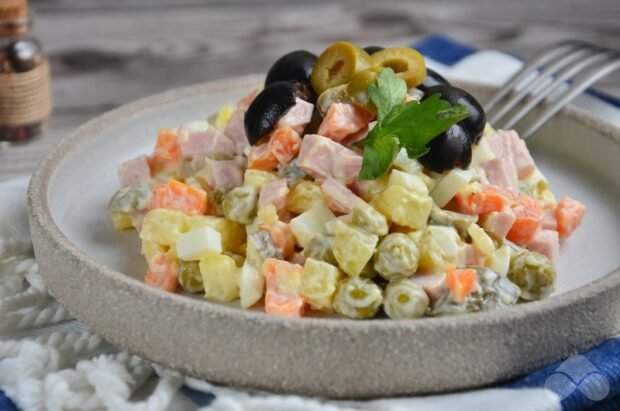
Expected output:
(25, 102)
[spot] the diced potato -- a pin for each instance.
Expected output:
(251, 285)
(305, 195)
(439, 249)
(310, 223)
(194, 244)
(481, 239)
(268, 215)
(163, 226)
(404, 207)
(450, 184)
(319, 283)
(239, 259)
(233, 234)
(223, 116)
(121, 221)
(220, 277)
(481, 152)
(259, 178)
(353, 247)
(413, 182)
(499, 261)
(407, 164)
(488, 130)
(189, 276)
(150, 250)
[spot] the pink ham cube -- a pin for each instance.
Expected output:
(546, 242)
(339, 198)
(274, 193)
(498, 223)
(134, 171)
(322, 157)
(344, 119)
(203, 142)
(298, 116)
(222, 174)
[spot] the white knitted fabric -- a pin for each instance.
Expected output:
(48, 361)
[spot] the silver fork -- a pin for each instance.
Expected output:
(551, 80)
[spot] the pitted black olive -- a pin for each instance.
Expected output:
(271, 104)
(372, 49)
(448, 150)
(294, 66)
(432, 79)
(475, 123)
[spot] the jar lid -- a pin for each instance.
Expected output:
(13, 9)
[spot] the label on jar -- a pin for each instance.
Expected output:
(25, 97)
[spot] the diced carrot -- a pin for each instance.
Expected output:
(162, 273)
(489, 198)
(461, 283)
(175, 195)
(282, 237)
(283, 280)
(529, 219)
(569, 214)
(284, 144)
(343, 119)
(261, 158)
(167, 153)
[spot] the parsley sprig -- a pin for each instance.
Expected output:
(409, 125)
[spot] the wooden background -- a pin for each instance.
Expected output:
(109, 52)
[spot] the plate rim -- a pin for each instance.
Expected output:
(40, 215)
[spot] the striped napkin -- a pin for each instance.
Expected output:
(49, 361)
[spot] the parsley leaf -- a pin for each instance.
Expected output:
(388, 93)
(411, 125)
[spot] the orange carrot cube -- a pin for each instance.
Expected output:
(162, 273)
(175, 195)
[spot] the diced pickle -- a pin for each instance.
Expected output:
(258, 178)
(452, 219)
(239, 204)
(190, 277)
(291, 172)
(130, 198)
(320, 248)
(404, 207)
(319, 282)
(405, 299)
(396, 257)
(218, 200)
(366, 217)
(261, 247)
(533, 273)
(353, 247)
(358, 298)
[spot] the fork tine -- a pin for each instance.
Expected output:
(539, 59)
(565, 60)
(560, 79)
(588, 78)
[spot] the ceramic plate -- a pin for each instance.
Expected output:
(97, 272)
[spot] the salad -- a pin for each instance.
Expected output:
(358, 182)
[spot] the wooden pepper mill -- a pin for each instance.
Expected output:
(25, 103)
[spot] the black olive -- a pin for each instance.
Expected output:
(372, 49)
(475, 123)
(294, 66)
(269, 105)
(433, 79)
(448, 150)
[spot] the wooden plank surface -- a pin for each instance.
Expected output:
(106, 53)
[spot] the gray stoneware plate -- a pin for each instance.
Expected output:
(97, 274)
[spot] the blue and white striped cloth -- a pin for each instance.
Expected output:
(586, 381)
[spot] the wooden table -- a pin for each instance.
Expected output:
(106, 53)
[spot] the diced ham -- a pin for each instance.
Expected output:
(546, 242)
(512, 160)
(549, 220)
(298, 116)
(199, 143)
(502, 173)
(261, 158)
(235, 130)
(569, 215)
(498, 223)
(339, 198)
(470, 256)
(274, 193)
(222, 174)
(136, 171)
(322, 157)
(433, 284)
(343, 119)
(354, 138)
